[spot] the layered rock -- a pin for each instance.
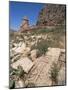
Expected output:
(25, 63)
(25, 24)
(52, 14)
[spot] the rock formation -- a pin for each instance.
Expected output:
(52, 15)
(25, 24)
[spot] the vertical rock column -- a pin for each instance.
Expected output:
(25, 24)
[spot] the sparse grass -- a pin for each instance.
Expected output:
(40, 31)
(59, 30)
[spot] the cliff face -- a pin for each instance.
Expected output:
(52, 14)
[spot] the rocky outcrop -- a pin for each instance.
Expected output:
(52, 14)
(25, 24)
(19, 84)
(25, 63)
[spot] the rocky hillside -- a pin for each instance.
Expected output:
(32, 55)
(37, 56)
(52, 15)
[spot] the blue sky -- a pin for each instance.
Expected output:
(17, 10)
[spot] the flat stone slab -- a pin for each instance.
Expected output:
(25, 63)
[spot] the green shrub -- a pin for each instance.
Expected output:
(54, 73)
(20, 72)
(16, 74)
(41, 46)
(12, 84)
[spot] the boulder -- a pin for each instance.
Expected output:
(15, 58)
(26, 51)
(21, 48)
(61, 76)
(24, 62)
(19, 45)
(15, 44)
(19, 84)
(34, 54)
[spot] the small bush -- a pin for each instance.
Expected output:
(12, 84)
(17, 72)
(54, 73)
(20, 72)
(41, 46)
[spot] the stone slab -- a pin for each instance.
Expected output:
(25, 62)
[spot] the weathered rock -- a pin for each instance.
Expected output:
(21, 48)
(24, 62)
(61, 76)
(15, 44)
(19, 45)
(25, 24)
(26, 51)
(34, 54)
(54, 53)
(14, 48)
(38, 37)
(19, 84)
(32, 43)
(39, 74)
(15, 58)
(51, 15)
